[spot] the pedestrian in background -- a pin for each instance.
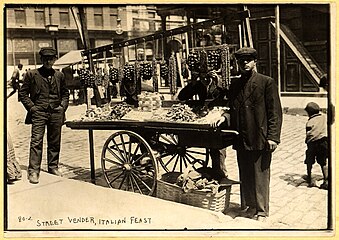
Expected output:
(45, 97)
(16, 79)
(317, 146)
(255, 112)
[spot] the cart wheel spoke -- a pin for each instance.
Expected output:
(142, 181)
(196, 152)
(120, 163)
(133, 166)
(188, 160)
(192, 157)
(118, 150)
(136, 184)
(115, 178)
(168, 140)
(175, 164)
(120, 157)
(138, 158)
(169, 161)
(141, 173)
(136, 149)
(122, 181)
(162, 164)
(129, 150)
(174, 139)
(184, 160)
(123, 146)
(113, 170)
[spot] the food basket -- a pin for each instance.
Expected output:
(168, 190)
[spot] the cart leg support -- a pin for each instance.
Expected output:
(91, 155)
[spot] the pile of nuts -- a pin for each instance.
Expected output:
(181, 113)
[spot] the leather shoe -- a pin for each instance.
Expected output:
(33, 178)
(55, 172)
(249, 213)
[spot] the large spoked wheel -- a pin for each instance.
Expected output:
(128, 163)
(175, 158)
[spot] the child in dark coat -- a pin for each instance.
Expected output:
(316, 140)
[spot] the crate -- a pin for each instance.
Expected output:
(168, 190)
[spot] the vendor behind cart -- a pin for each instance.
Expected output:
(205, 86)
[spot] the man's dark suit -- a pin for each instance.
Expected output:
(257, 115)
(45, 97)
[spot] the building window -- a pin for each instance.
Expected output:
(20, 17)
(136, 24)
(152, 26)
(144, 25)
(39, 16)
(113, 17)
(64, 17)
(98, 18)
(151, 14)
(66, 45)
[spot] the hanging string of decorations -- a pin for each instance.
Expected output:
(197, 60)
(154, 68)
(163, 65)
(225, 67)
(172, 74)
(184, 68)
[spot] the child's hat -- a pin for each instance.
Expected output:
(312, 107)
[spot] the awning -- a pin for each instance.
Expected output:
(70, 58)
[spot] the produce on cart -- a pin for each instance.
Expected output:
(152, 137)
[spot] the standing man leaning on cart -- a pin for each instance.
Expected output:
(256, 114)
(45, 97)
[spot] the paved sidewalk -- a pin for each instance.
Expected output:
(293, 206)
(62, 204)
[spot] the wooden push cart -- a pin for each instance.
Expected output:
(134, 155)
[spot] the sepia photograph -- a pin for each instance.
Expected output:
(169, 120)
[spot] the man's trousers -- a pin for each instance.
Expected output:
(53, 119)
(254, 172)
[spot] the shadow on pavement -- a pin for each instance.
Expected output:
(83, 174)
(297, 180)
(233, 210)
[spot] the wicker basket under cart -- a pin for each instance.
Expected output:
(168, 190)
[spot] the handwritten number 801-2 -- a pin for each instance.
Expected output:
(22, 219)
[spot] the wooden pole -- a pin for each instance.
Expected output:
(248, 29)
(277, 28)
(240, 36)
(84, 30)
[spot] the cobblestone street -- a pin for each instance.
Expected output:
(292, 205)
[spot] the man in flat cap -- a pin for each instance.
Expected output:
(256, 114)
(45, 97)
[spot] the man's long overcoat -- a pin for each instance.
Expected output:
(255, 111)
